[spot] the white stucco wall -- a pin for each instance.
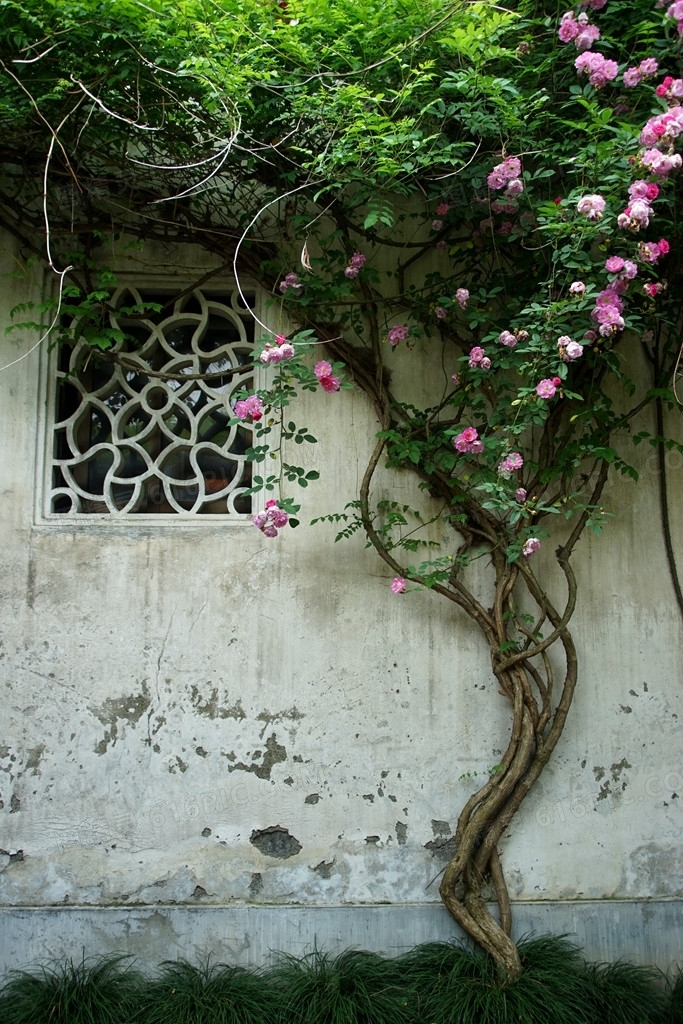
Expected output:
(168, 691)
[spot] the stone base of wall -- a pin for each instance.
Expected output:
(640, 931)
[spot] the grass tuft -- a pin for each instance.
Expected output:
(458, 985)
(674, 1010)
(622, 993)
(210, 994)
(98, 990)
(355, 987)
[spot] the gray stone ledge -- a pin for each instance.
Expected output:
(641, 931)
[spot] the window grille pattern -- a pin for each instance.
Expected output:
(129, 440)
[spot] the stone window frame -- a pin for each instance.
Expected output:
(45, 515)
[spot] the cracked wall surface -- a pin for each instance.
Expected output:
(192, 713)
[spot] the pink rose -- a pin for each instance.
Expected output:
(546, 388)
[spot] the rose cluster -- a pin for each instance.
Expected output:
(468, 441)
(599, 69)
(250, 408)
(355, 264)
(639, 211)
(271, 519)
(634, 76)
(507, 175)
(327, 381)
(578, 30)
(292, 281)
(675, 11)
(282, 349)
(510, 464)
(510, 338)
(479, 359)
(396, 334)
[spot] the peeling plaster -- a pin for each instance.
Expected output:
(443, 843)
(256, 884)
(128, 709)
(210, 707)
(291, 714)
(274, 754)
(275, 841)
(324, 868)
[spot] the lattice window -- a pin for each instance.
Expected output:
(126, 442)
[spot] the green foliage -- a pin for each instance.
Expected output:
(98, 990)
(355, 987)
(623, 993)
(435, 983)
(209, 994)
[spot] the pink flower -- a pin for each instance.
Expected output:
(648, 67)
(351, 272)
(462, 296)
(586, 37)
(282, 349)
(592, 206)
(510, 464)
(442, 209)
(437, 225)
(498, 206)
(468, 441)
(520, 495)
(327, 381)
(249, 408)
(478, 357)
(507, 338)
(271, 519)
(661, 164)
(597, 67)
(512, 167)
(577, 288)
(290, 280)
(546, 388)
(569, 350)
(515, 188)
(358, 260)
(440, 313)
(614, 264)
(329, 384)
(496, 180)
(664, 246)
(649, 252)
(504, 173)
(533, 544)
(631, 78)
(640, 190)
(398, 585)
(569, 28)
(396, 334)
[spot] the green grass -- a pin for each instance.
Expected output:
(210, 994)
(458, 985)
(99, 990)
(355, 987)
(436, 983)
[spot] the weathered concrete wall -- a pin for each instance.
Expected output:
(195, 714)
